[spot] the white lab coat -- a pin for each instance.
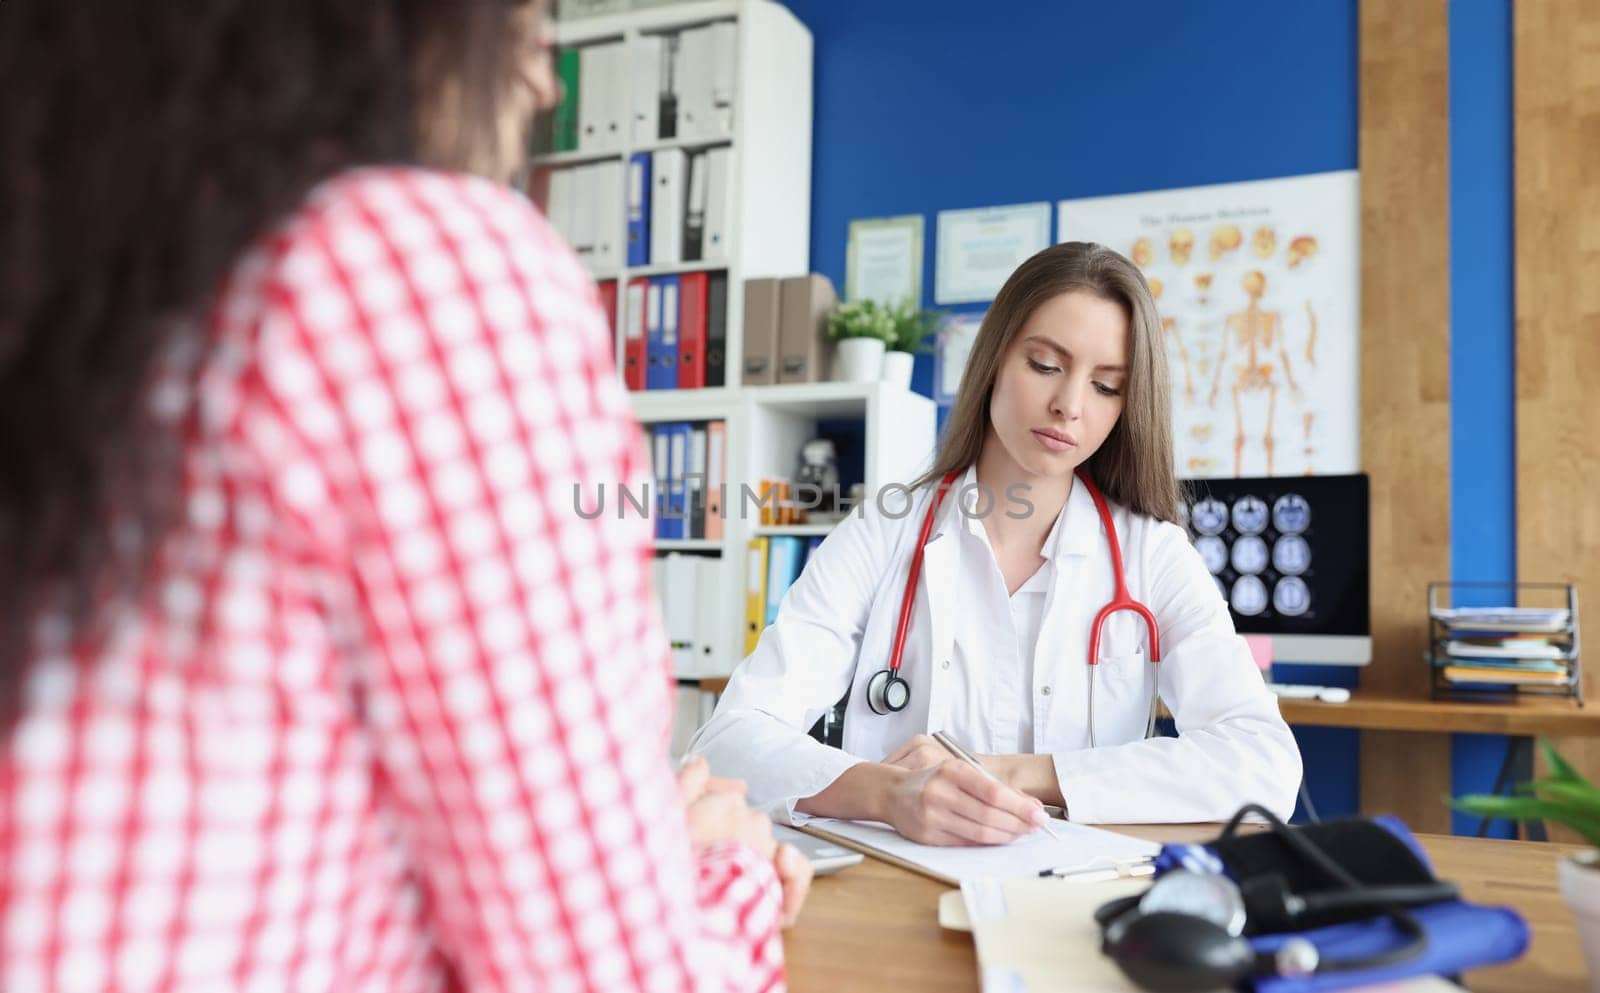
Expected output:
(836, 627)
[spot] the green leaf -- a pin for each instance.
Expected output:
(1566, 797)
(1560, 768)
(861, 319)
(1579, 795)
(1523, 808)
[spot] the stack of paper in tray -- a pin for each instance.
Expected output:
(1505, 646)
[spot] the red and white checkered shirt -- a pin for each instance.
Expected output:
(392, 715)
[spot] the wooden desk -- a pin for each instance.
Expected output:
(1374, 711)
(1416, 770)
(875, 927)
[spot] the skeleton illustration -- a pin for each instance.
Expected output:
(1254, 332)
(1169, 328)
(1264, 243)
(1311, 340)
(1181, 242)
(1301, 249)
(1309, 451)
(1143, 254)
(1224, 240)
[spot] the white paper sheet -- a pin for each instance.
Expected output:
(1079, 846)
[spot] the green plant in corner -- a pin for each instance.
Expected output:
(862, 319)
(914, 328)
(1564, 796)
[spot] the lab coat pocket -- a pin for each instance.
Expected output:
(1123, 699)
(1127, 668)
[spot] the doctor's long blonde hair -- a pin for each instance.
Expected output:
(1134, 465)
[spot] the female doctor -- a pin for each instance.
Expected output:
(1065, 394)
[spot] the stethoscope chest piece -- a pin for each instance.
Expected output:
(887, 693)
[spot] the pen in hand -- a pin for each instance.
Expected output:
(961, 753)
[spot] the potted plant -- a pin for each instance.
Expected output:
(862, 329)
(913, 329)
(1564, 797)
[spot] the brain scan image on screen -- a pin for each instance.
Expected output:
(1213, 551)
(1210, 516)
(1291, 597)
(1291, 514)
(1291, 555)
(1249, 595)
(1249, 555)
(1250, 515)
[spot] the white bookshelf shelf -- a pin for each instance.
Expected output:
(815, 400)
(687, 545)
(556, 160)
(670, 17)
(654, 406)
(688, 144)
(795, 530)
(674, 268)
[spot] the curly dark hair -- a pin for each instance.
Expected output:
(143, 147)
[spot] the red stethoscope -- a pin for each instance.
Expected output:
(888, 692)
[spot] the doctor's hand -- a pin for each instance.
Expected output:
(952, 803)
(920, 752)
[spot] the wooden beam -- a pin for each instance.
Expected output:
(1556, 74)
(1405, 378)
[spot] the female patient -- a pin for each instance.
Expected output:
(312, 679)
(1009, 556)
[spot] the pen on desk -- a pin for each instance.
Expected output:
(1125, 868)
(961, 753)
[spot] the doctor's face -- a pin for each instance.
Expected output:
(1058, 392)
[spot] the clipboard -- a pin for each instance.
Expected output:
(1080, 851)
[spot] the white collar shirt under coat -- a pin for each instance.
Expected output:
(835, 630)
(995, 693)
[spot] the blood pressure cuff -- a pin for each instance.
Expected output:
(1377, 852)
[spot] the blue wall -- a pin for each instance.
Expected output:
(1482, 334)
(926, 105)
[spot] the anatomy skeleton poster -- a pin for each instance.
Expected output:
(1258, 286)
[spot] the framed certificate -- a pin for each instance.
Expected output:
(979, 249)
(950, 358)
(883, 260)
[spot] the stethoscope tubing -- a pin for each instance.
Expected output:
(1121, 599)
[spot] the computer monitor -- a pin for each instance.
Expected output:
(1289, 555)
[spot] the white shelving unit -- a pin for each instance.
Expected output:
(766, 425)
(769, 235)
(770, 175)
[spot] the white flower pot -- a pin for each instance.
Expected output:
(1579, 879)
(860, 360)
(897, 368)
